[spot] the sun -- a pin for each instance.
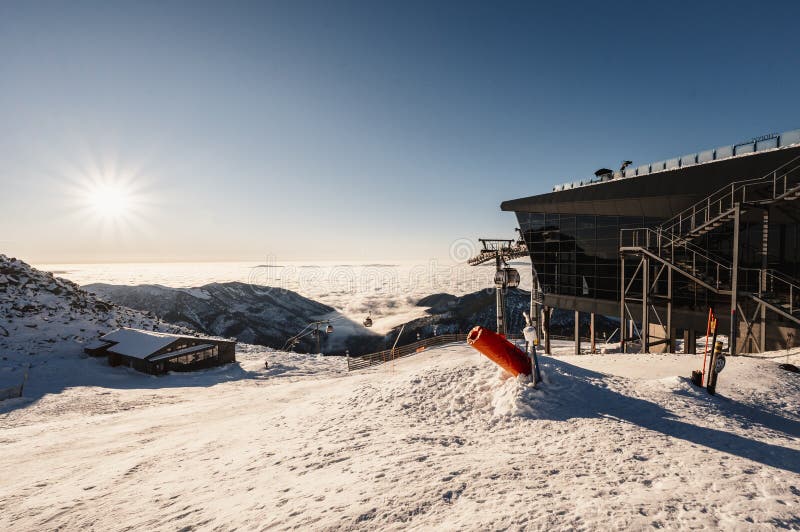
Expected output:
(107, 197)
(109, 200)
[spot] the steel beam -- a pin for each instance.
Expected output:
(763, 281)
(501, 307)
(644, 333)
(622, 329)
(546, 323)
(735, 279)
(670, 332)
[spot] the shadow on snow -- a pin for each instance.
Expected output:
(58, 373)
(575, 392)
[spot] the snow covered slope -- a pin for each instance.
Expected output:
(438, 440)
(42, 316)
(42, 313)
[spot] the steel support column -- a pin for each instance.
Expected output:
(622, 328)
(536, 308)
(501, 305)
(735, 280)
(670, 332)
(546, 323)
(644, 333)
(763, 277)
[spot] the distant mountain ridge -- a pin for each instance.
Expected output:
(250, 313)
(268, 316)
(458, 314)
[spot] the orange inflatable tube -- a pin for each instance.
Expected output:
(500, 351)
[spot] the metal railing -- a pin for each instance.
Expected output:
(388, 355)
(759, 144)
(779, 290)
(787, 297)
(670, 242)
(770, 187)
(713, 271)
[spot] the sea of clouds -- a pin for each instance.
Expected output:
(388, 291)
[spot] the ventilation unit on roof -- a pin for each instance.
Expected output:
(603, 171)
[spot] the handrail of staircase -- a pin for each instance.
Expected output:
(790, 288)
(667, 241)
(661, 245)
(785, 279)
(783, 288)
(693, 248)
(728, 191)
(788, 293)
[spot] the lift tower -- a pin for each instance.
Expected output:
(501, 251)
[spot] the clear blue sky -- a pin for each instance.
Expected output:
(355, 130)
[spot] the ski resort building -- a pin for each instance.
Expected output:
(157, 353)
(658, 244)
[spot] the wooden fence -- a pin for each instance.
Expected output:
(381, 357)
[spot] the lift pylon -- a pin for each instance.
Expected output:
(501, 251)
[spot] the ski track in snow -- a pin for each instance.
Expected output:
(441, 440)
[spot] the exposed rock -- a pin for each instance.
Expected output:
(38, 311)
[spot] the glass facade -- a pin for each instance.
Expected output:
(577, 255)
(200, 359)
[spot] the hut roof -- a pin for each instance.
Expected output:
(137, 343)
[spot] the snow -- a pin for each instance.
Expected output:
(198, 293)
(439, 440)
(137, 343)
(96, 344)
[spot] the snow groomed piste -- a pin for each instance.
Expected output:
(614, 442)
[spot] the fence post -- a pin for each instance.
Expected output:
(24, 380)
(387, 355)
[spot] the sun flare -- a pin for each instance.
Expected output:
(108, 197)
(109, 200)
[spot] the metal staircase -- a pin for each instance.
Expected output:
(685, 258)
(781, 184)
(781, 294)
(669, 249)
